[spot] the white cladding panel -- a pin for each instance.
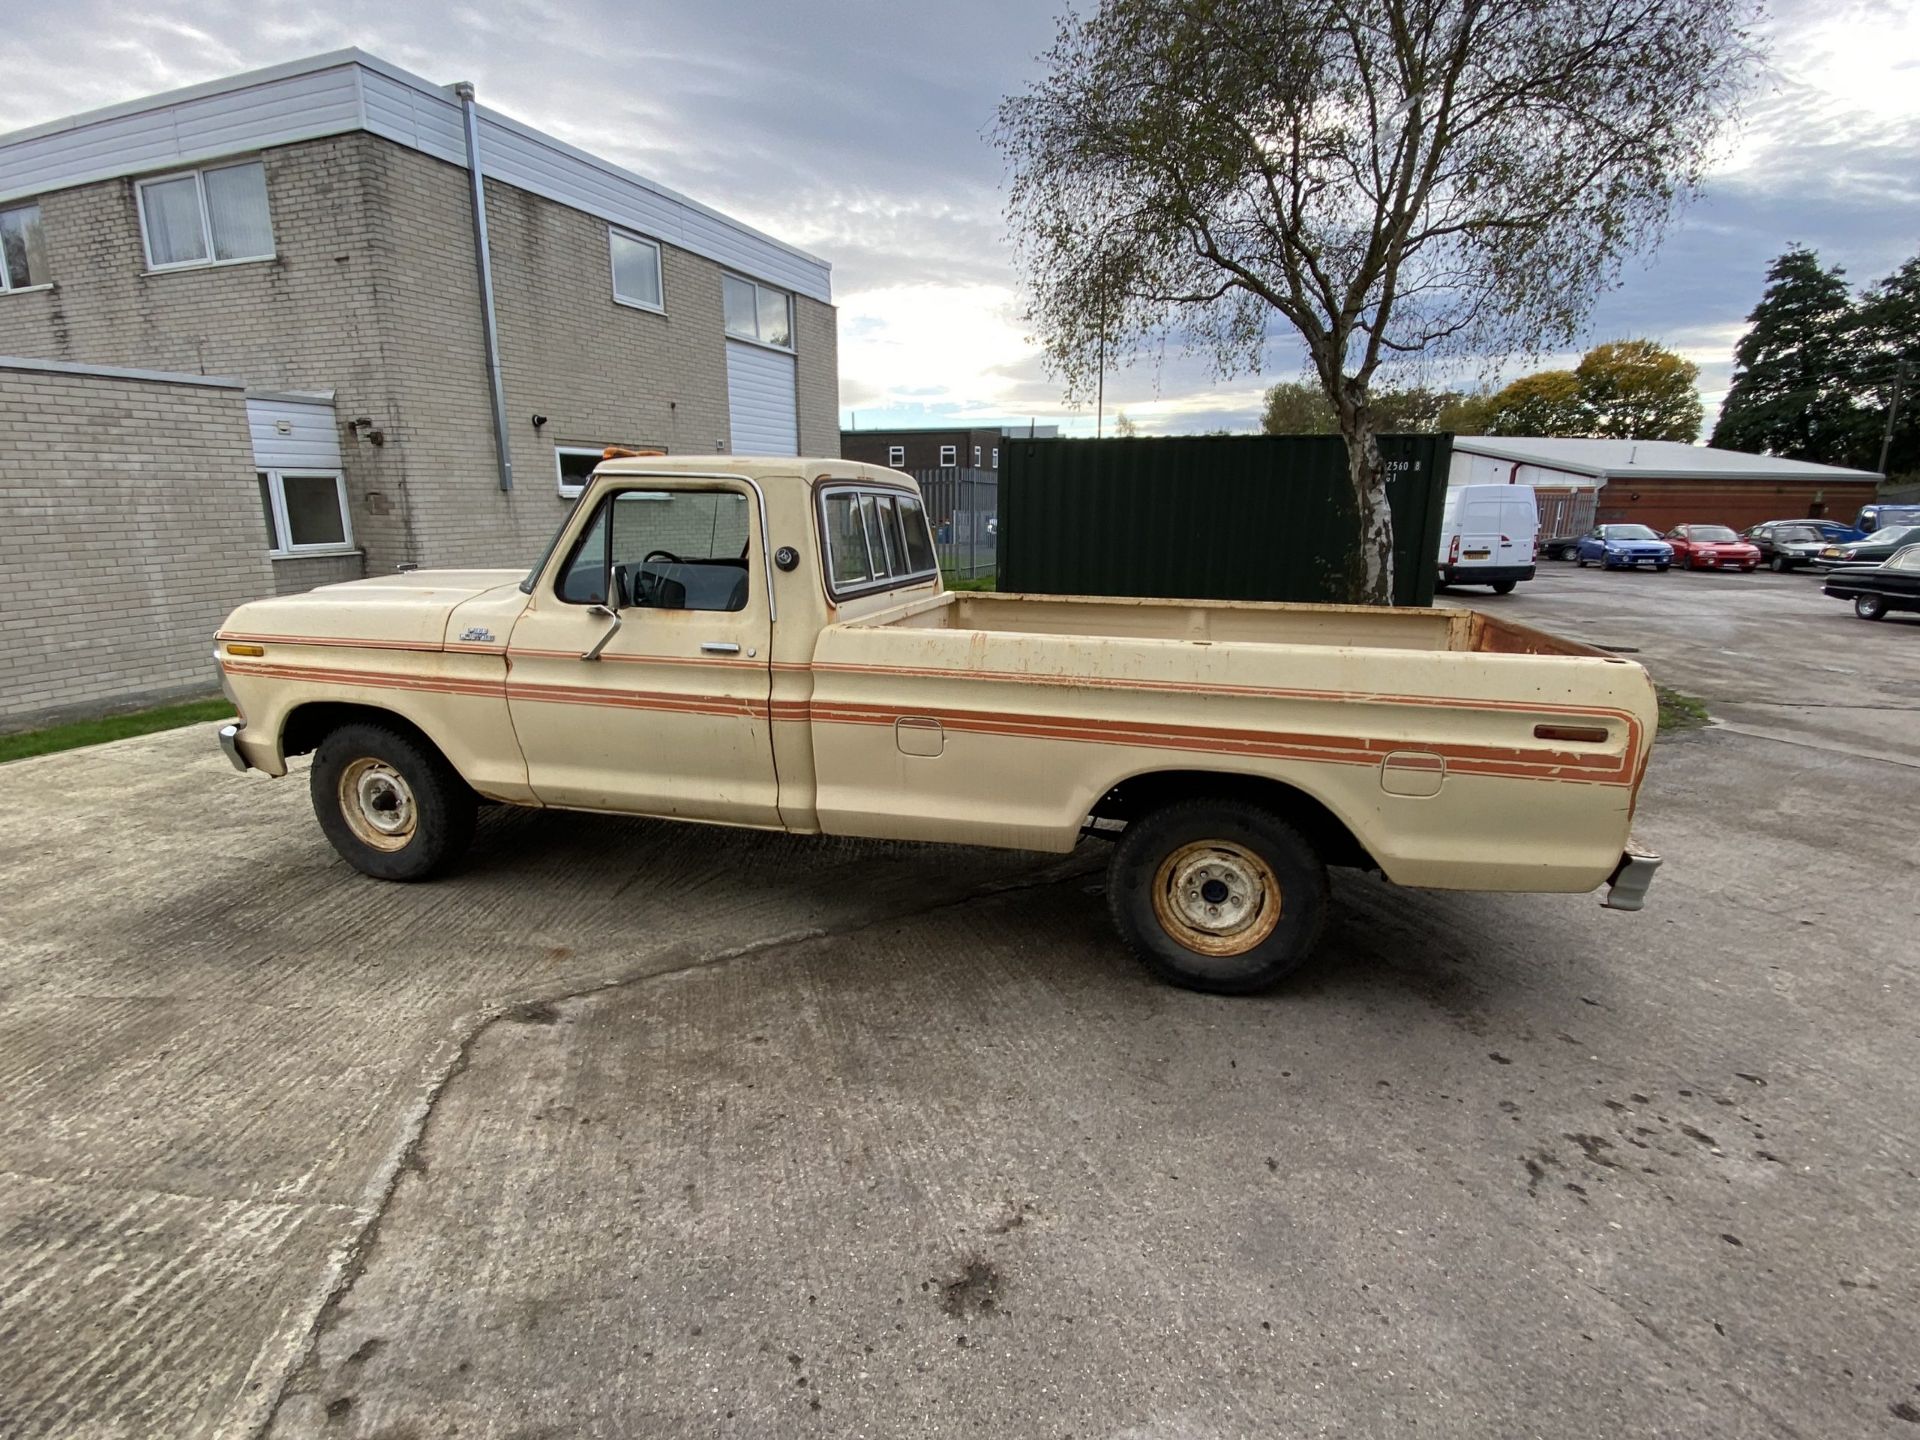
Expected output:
(184, 132)
(346, 91)
(761, 400)
(311, 440)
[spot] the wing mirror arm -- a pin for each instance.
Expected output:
(608, 611)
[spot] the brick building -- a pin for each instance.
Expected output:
(936, 449)
(1663, 483)
(309, 232)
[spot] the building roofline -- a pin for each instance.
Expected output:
(354, 57)
(118, 372)
(1769, 467)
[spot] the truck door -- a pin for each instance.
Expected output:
(670, 716)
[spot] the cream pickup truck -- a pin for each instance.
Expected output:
(768, 643)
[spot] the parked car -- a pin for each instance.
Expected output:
(1874, 518)
(1711, 547)
(1876, 589)
(1787, 544)
(1623, 547)
(640, 668)
(1487, 534)
(1874, 550)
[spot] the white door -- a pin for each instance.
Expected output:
(761, 401)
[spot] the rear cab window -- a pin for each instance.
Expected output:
(875, 540)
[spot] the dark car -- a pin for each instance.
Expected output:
(1833, 530)
(1788, 544)
(1623, 547)
(1876, 549)
(1876, 589)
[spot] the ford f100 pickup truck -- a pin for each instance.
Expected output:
(769, 643)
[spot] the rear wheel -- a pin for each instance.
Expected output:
(1217, 895)
(389, 803)
(1579, 559)
(1870, 607)
(1504, 587)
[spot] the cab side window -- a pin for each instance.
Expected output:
(666, 550)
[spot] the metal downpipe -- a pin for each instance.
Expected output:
(483, 257)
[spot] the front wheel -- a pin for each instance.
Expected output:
(390, 803)
(1217, 895)
(1778, 565)
(1870, 607)
(1661, 569)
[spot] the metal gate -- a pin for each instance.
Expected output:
(964, 506)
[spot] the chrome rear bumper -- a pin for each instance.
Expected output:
(1627, 886)
(230, 742)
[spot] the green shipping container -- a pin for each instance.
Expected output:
(1211, 517)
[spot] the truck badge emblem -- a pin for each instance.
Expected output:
(478, 635)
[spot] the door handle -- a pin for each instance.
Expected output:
(719, 647)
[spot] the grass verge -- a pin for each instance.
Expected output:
(979, 582)
(1680, 712)
(73, 735)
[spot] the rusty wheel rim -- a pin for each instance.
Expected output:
(1216, 897)
(378, 804)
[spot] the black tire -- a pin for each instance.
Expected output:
(429, 808)
(1579, 559)
(1504, 587)
(1661, 569)
(1223, 839)
(1778, 565)
(1870, 607)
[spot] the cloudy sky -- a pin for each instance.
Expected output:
(858, 131)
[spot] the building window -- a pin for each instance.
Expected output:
(896, 455)
(758, 312)
(23, 249)
(949, 455)
(636, 270)
(206, 217)
(574, 467)
(996, 457)
(306, 511)
(976, 457)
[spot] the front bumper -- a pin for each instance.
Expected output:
(230, 742)
(1627, 886)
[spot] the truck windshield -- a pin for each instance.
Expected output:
(526, 585)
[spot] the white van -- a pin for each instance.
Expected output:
(1487, 534)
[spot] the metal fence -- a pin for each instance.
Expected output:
(1194, 517)
(964, 505)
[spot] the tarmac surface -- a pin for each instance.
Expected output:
(632, 1129)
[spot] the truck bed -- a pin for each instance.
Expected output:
(1461, 751)
(1234, 622)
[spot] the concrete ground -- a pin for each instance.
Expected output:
(632, 1129)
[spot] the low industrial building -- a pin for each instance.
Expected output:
(430, 320)
(1659, 483)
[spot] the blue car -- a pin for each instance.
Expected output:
(1623, 547)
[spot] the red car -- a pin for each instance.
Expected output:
(1711, 547)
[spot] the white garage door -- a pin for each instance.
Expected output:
(760, 401)
(291, 432)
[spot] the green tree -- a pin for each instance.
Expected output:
(1637, 390)
(1548, 402)
(1389, 177)
(1792, 371)
(1466, 414)
(1889, 332)
(1296, 407)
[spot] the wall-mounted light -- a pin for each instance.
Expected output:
(362, 428)
(538, 421)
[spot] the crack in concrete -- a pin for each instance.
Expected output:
(350, 1259)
